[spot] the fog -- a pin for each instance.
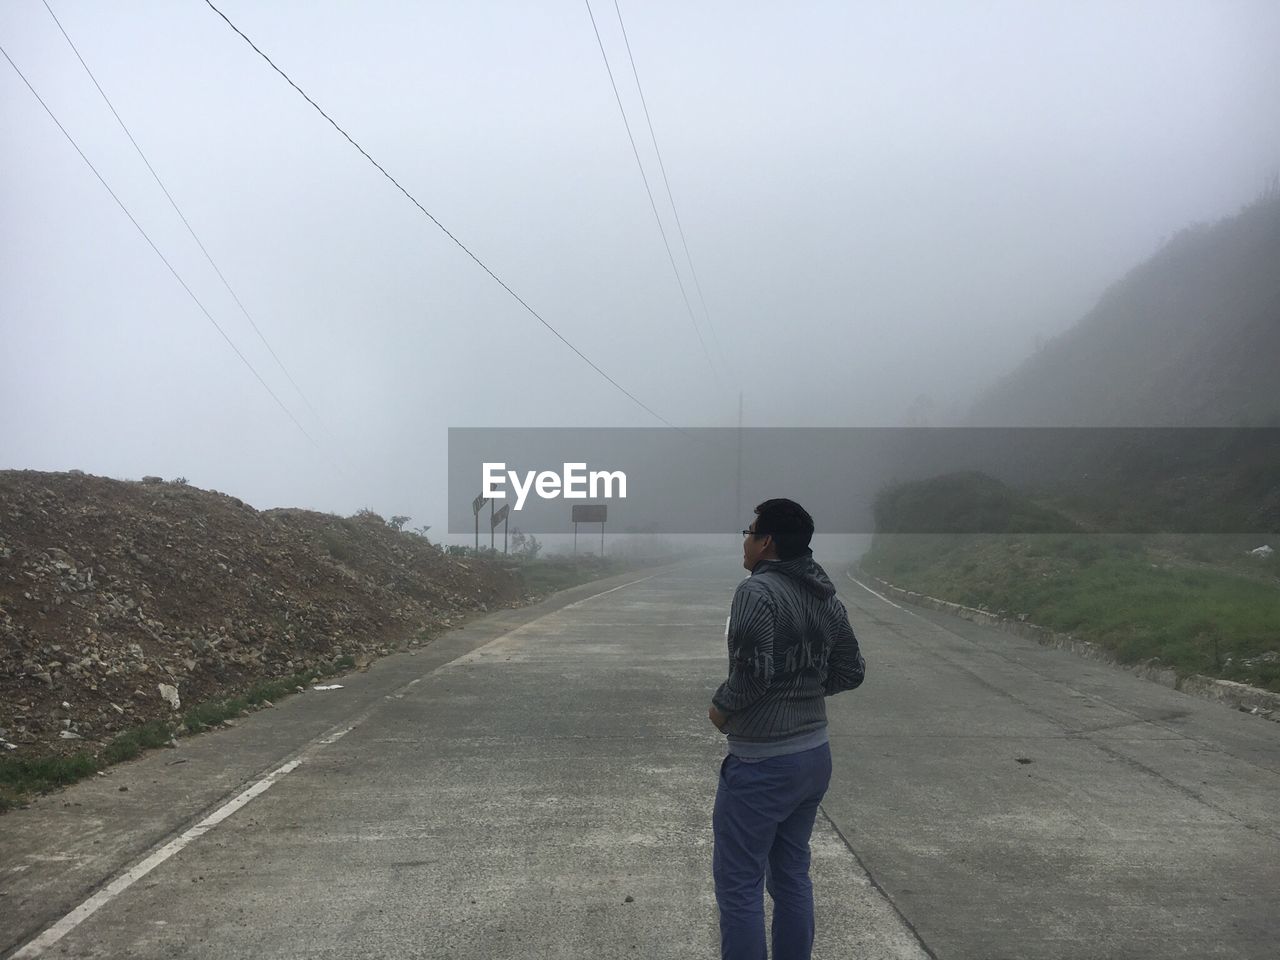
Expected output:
(886, 208)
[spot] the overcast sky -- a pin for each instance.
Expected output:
(882, 201)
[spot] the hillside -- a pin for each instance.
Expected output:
(1153, 544)
(110, 589)
(1189, 338)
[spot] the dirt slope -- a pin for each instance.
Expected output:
(110, 589)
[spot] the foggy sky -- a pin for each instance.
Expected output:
(881, 204)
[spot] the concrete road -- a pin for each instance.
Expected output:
(540, 785)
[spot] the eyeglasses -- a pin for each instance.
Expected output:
(753, 533)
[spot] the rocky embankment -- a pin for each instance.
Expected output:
(123, 602)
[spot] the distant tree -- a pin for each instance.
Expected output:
(421, 531)
(397, 522)
(525, 545)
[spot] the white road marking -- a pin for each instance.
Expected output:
(880, 595)
(578, 603)
(37, 946)
(497, 645)
(127, 879)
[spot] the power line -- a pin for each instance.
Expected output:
(173, 203)
(412, 199)
(663, 167)
(662, 230)
(150, 243)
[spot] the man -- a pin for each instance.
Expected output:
(790, 646)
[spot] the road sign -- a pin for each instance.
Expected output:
(590, 512)
(476, 504)
(499, 516)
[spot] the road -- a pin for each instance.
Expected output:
(540, 783)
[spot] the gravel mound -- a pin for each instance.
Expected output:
(123, 602)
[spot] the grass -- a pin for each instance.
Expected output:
(22, 778)
(132, 742)
(548, 575)
(1141, 597)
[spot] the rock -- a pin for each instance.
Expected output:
(69, 735)
(130, 580)
(170, 693)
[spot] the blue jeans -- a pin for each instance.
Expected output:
(763, 817)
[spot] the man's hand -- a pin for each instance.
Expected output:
(718, 718)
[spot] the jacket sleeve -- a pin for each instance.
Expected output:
(752, 620)
(846, 668)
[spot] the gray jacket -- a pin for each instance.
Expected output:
(790, 646)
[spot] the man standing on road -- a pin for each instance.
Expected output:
(790, 646)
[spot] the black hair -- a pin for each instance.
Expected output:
(788, 523)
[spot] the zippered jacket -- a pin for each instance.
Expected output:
(790, 646)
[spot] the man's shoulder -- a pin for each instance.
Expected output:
(758, 584)
(764, 583)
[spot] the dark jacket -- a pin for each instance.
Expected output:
(790, 646)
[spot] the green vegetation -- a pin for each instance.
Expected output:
(547, 575)
(18, 778)
(962, 503)
(542, 574)
(215, 712)
(131, 743)
(22, 778)
(1199, 604)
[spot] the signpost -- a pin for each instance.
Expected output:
(476, 504)
(589, 513)
(499, 518)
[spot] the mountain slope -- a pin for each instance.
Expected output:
(1191, 337)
